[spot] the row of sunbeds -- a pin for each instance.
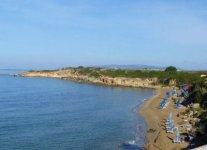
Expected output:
(170, 128)
(164, 103)
(169, 124)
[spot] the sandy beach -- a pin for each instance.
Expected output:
(157, 138)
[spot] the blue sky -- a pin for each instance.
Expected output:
(38, 34)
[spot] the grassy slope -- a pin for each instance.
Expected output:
(182, 77)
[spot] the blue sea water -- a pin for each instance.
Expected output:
(52, 114)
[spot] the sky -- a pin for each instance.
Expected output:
(40, 34)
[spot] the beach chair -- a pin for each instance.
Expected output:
(167, 123)
(174, 92)
(171, 128)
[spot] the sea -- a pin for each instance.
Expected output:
(55, 114)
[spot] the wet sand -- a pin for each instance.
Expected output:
(157, 138)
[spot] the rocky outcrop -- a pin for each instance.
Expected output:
(172, 82)
(131, 82)
(71, 74)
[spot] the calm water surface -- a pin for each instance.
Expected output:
(51, 114)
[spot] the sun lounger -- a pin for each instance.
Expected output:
(170, 126)
(174, 93)
(164, 103)
(178, 105)
(171, 120)
(177, 141)
(171, 130)
(168, 122)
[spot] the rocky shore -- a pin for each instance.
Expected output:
(72, 74)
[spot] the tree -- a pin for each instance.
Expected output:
(80, 67)
(171, 69)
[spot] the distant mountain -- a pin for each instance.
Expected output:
(132, 67)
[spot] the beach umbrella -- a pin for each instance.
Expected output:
(171, 125)
(170, 116)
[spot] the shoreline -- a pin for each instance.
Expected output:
(146, 111)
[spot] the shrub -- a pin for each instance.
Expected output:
(171, 69)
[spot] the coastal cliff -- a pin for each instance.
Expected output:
(76, 75)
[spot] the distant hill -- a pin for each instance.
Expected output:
(132, 67)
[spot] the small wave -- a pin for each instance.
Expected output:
(131, 142)
(129, 146)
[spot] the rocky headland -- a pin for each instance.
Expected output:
(74, 75)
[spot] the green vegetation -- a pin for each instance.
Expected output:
(182, 77)
(171, 69)
(43, 71)
(91, 72)
(198, 94)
